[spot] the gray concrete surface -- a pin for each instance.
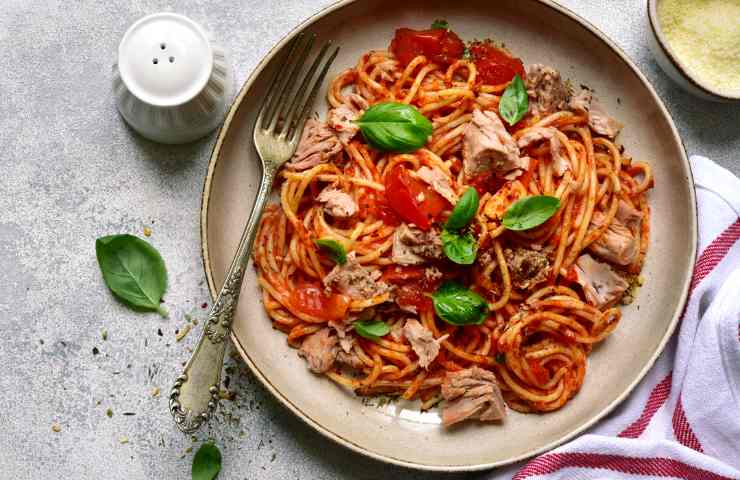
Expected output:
(72, 171)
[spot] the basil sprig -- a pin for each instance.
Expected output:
(334, 249)
(206, 462)
(372, 329)
(464, 210)
(461, 247)
(530, 212)
(458, 305)
(395, 127)
(514, 102)
(133, 270)
(440, 23)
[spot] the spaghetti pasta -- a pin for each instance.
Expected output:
(536, 338)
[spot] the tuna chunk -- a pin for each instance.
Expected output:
(337, 203)
(317, 145)
(439, 182)
(422, 341)
(547, 92)
(360, 283)
(320, 350)
(617, 244)
(630, 217)
(472, 393)
(349, 359)
(488, 146)
(620, 243)
(342, 118)
(412, 246)
(526, 267)
(581, 103)
(559, 163)
(600, 121)
(601, 285)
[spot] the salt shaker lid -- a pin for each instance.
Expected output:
(165, 59)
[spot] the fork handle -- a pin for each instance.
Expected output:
(195, 394)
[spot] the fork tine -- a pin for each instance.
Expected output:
(301, 120)
(303, 88)
(267, 102)
(287, 88)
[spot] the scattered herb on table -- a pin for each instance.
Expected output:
(530, 212)
(372, 329)
(514, 102)
(395, 127)
(458, 305)
(206, 462)
(133, 270)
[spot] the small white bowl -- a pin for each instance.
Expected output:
(671, 65)
(172, 84)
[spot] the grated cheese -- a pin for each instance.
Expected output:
(705, 36)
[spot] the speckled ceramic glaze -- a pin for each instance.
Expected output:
(538, 31)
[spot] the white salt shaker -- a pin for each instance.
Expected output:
(172, 83)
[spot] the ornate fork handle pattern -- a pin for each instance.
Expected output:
(195, 393)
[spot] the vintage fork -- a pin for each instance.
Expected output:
(278, 128)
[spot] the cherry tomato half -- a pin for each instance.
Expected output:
(412, 200)
(439, 45)
(495, 66)
(310, 298)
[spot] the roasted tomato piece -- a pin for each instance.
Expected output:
(439, 45)
(411, 199)
(310, 298)
(495, 66)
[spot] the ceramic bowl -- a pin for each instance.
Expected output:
(172, 83)
(538, 31)
(672, 66)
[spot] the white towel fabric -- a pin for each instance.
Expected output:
(683, 419)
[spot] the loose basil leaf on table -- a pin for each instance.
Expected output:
(395, 127)
(334, 249)
(371, 329)
(514, 102)
(440, 23)
(464, 210)
(458, 305)
(530, 212)
(206, 462)
(460, 248)
(133, 270)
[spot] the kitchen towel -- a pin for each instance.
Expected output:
(683, 419)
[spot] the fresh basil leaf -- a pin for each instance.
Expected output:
(206, 462)
(440, 23)
(514, 102)
(371, 329)
(133, 270)
(464, 210)
(460, 248)
(466, 54)
(334, 249)
(530, 212)
(458, 305)
(395, 127)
